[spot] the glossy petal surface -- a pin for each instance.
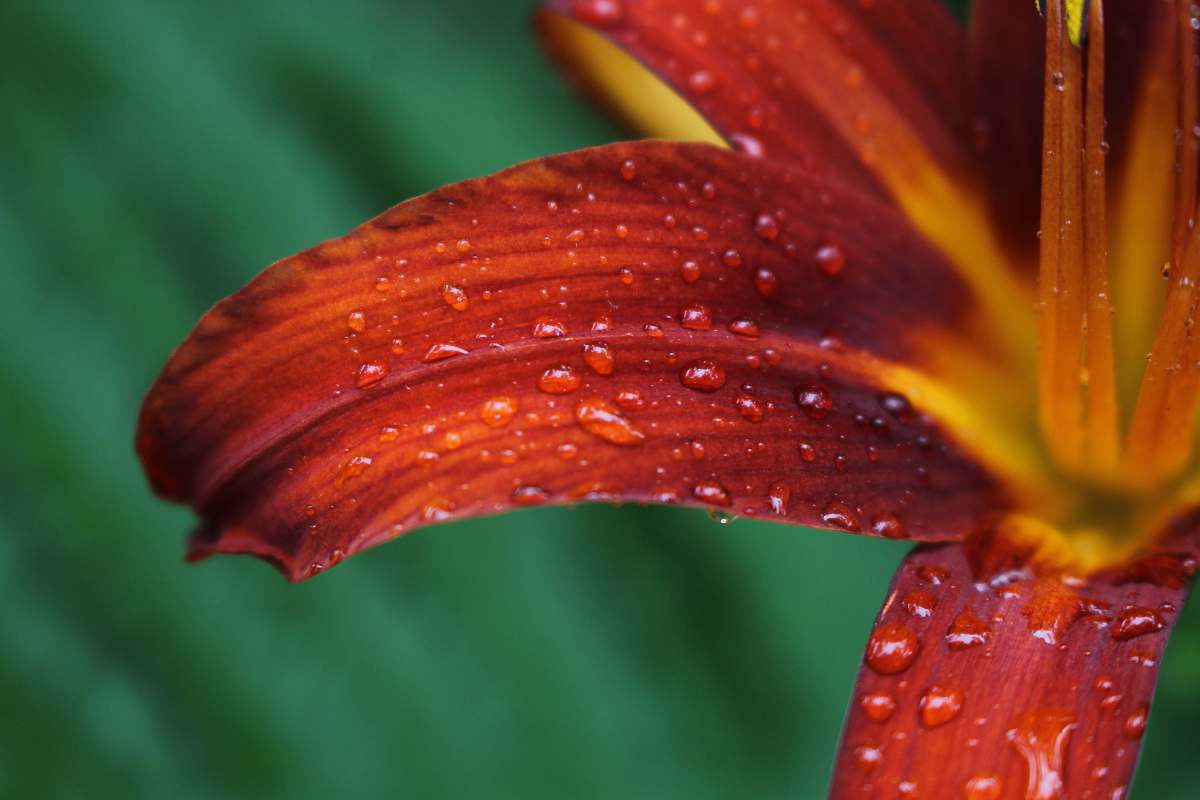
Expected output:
(984, 679)
(648, 322)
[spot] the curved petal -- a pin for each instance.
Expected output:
(646, 321)
(869, 93)
(986, 678)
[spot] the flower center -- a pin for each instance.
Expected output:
(1078, 401)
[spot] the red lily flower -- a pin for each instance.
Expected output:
(817, 305)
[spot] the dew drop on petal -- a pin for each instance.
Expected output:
(1136, 621)
(599, 357)
(357, 321)
(967, 630)
(440, 352)
(939, 705)
(455, 297)
(830, 259)
(370, 373)
(602, 419)
(559, 379)
(814, 400)
(750, 407)
(766, 282)
(689, 270)
(879, 706)
(526, 495)
(891, 649)
(982, 787)
(548, 328)
(703, 375)
(498, 411)
(712, 493)
(778, 495)
(696, 317)
(767, 227)
(745, 327)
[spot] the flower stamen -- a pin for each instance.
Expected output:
(1076, 377)
(1160, 437)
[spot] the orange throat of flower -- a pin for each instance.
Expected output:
(1131, 458)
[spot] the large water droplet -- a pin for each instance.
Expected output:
(814, 400)
(498, 411)
(967, 630)
(703, 375)
(1135, 621)
(696, 317)
(548, 328)
(939, 705)
(892, 649)
(599, 357)
(602, 419)
(559, 379)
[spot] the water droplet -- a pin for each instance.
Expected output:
(498, 411)
(747, 144)
(388, 434)
(357, 321)
(628, 169)
(808, 453)
(437, 509)
(830, 259)
(1135, 621)
(767, 227)
(814, 400)
(525, 495)
(630, 399)
(567, 451)
(548, 328)
(370, 373)
(702, 81)
(750, 407)
(440, 352)
(602, 419)
(983, 787)
(626, 276)
(1040, 736)
(892, 649)
(967, 630)
(889, 526)
(778, 495)
(352, 469)
(919, 603)
(455, 297)
(939, 705)
(766, 282)
(703, 375)
(731, 258)
(935, 574)
(879, 706)
(696, 317)
(745, 327)
(601, 13)
(712, 493)
(839, 515)
(867, 757)
(599, 357)
(427, 458)
(689, 270)
(1135, 723)
(559, 379)
(653, 330)
(895, 404)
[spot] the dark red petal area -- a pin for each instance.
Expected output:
(983, 679)
(648, 322)
(831, 84)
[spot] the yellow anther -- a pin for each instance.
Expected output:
(1077, 15)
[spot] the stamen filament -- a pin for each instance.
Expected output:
(1076, 375)
(1103, 435)
(1164, 420)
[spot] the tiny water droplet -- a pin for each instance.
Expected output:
(559, 379)
(455, 297)
(814, 400)
(696, 317)
(599, 357)
(830, 259)
(939, 705)
(602, 419)
(498, 411)
(712, 493)
(703, 375)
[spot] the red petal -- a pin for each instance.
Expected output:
(831, 84)
(985, 680)
(573, 328)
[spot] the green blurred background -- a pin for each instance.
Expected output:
(154, 156)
